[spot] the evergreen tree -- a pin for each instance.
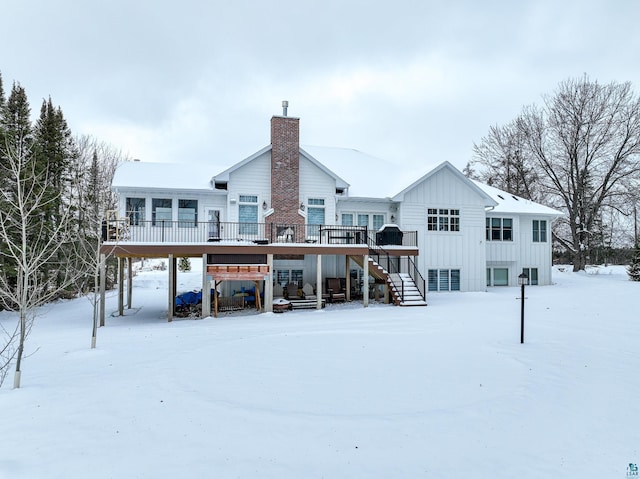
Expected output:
(17, 140)
(54, 150)
(634, 268)
(184, 264)
(1, 93)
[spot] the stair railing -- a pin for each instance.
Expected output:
(393, 265)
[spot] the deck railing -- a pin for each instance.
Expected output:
(161, 231)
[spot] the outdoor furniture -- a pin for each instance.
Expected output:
(335, 290)
(281, 305)
(306, 303)
(230, 303)
(292, 291)
(307, 291)
(278, 291)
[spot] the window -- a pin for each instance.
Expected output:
(539, 231)
(499, 229)
(500, 277)
(443, 219)
(160, 211)
(248, 215)
(187, 213)
(532, 274)
(135, 210)
(315, 211)
(443, 279)
(370, 220)
(286, 276)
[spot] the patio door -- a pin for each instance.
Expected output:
(213, 224)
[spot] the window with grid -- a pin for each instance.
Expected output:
(315, 211)
(443, 219)
(499, 229)
(363, 220)
(347, 219)
(286, 276)
(539, 231)
(248, 214)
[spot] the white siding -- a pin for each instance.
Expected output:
(205, 200)
(253, 178)
(463, 250)
(315, 183)
(522, 252)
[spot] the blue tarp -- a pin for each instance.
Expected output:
(189, 298)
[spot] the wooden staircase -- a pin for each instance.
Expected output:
(397, 282)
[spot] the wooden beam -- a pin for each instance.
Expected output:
(215, 296)
(238, 276)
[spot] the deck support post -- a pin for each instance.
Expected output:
(172, 287)
(365, 281)
(206, 289)
(103, 279)
(268, 286)
(347, 282)
(129, 282)
(121, 286)
(319, 281)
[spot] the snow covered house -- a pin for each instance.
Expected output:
(281, 217)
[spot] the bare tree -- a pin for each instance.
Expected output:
(96, 165)
(586, 143)
(29, 243)
(502, 160)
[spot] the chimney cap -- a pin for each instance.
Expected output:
(285, 105)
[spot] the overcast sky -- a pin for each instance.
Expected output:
(411, 82)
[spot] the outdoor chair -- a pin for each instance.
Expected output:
(292, 291)
(307, 292)
(335, 290)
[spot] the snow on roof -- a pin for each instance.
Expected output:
(508, 203)
(369, 176)
(445, 165)
(141, 174)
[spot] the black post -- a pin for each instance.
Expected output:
(522, 314)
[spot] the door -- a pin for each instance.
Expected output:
(213, 224)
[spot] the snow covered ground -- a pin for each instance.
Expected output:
(347, 392)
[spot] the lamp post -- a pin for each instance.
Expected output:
(523, 279)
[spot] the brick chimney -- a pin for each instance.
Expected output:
(285, 169)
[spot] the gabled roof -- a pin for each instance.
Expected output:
(508, 203)
(488, 200)
(311, 155)
(223, 177)
(312, 152)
